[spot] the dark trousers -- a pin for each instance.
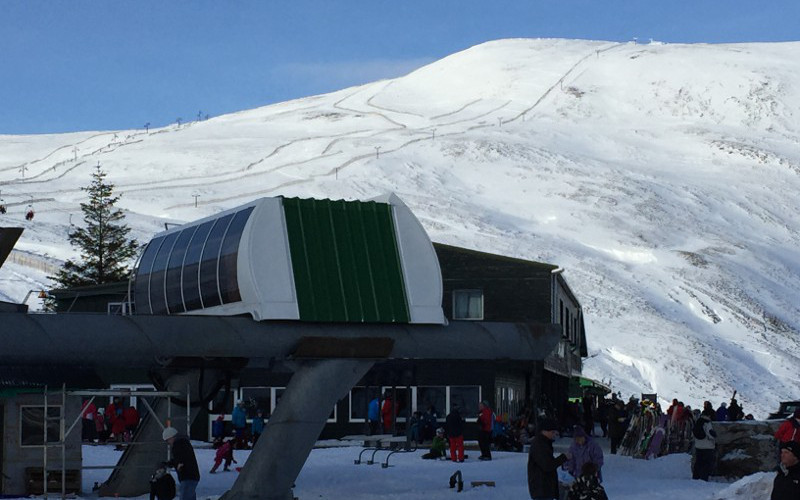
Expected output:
(703, 464)
(485, 443)
(615, 441)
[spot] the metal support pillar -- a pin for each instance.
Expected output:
(294, 427)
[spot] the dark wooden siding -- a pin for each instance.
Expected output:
(513, 289)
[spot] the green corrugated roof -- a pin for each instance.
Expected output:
(345, 261)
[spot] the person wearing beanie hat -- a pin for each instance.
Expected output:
(169, 432)
(789, 429)
(786, 485)
(583, 450)
(542, 466)
(184, 462)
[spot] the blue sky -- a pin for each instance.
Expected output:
(101, 65)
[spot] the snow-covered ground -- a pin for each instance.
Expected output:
(330, 473)
(663, 178)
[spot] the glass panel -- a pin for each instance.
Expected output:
(142, 287)
(158, 301)
(256, 398)
(32, 425)
(191, 267)
(359, 399)
(228, 279)
(174, 270)
(209, 290)
(432, 397)
(467, 398)
(467, 304)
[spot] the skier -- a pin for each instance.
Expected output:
(704, 445)
(224, 452)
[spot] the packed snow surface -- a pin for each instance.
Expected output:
(329, 473)
(663, 178)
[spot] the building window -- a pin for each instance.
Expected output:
(467, 398)
(257, 398)
(360, 398)
(468, 304)
(31, 420)
(267, 400)
(432, 396)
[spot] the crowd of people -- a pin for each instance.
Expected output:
(640, 429)
(117, 422)
(643, 430)
(241, 436)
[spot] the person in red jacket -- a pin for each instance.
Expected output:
(387, 410)
(114, 419)
(789, 429)
(130, 415)
(485, 423)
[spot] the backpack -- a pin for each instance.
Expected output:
(697, 430)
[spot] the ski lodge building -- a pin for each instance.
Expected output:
(311, 262)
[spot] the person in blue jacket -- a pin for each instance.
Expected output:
(239, 422)
(374, 415)
(257, 427)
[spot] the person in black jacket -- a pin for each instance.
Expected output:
(183, 461)
(162, 486)
(617, 424)
(454, 427)
(787, 483)
(542, 466)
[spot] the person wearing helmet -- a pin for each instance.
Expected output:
(438, 446)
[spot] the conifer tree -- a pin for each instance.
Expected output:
(105, 249)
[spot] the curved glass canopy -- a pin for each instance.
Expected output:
(191, 269)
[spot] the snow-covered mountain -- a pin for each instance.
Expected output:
(663, 178)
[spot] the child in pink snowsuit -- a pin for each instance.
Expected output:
(224, 452)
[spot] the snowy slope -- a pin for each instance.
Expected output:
(664, 178)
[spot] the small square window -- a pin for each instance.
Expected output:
(468, 304)
(32, 422)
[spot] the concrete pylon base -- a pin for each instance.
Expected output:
(294, 427)
(139, 460)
